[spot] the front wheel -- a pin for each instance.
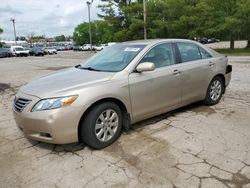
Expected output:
(102, 125)
(214, 91)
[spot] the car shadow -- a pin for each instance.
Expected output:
(61, 149)
(197, 107)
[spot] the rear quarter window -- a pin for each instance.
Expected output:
(204, 53)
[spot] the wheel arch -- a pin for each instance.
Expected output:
(119, 103)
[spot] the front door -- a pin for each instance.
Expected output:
(156, 91)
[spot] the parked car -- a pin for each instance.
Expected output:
(62, 48)
(77, 48)
(203, 40)
(111, 43)
(27, 49)
(18, 51)
(45, 51)
(118, 86)
(213, 40)
(36, 51)
(69, 47)
(104, 45)
(98, 47)
(51, 50)
(86, 47)
(5, 52)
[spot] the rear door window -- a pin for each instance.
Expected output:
(189, 52)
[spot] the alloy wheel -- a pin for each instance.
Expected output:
(215, 90)
(106, 125)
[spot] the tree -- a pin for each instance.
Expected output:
(123, 20)
(1, 31)
(37, 37)
(227, 23)
(243, 15)
(60, 38)
(100, 31)
(81, 34)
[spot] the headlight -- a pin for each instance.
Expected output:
(53, 103)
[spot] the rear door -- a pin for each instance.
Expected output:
(197, 66)
(156, 91)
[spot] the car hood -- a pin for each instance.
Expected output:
(63, 82)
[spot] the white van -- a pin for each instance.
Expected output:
(19, 51)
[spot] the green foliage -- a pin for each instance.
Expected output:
(38, 37)
(81, 34)
(236, 51)
(60, 38)
(101, 33)
(1, 43)
(122, 20)
(243, 15)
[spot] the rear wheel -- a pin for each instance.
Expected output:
(102, 125)
(214, 91)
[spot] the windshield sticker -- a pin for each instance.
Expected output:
(132, 49)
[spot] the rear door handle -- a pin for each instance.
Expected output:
(176, 72)
(211, 64)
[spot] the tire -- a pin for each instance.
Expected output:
(94, 135)
(214, 91)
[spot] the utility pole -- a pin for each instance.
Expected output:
(90, 34)
(145, 19)
(14, 23)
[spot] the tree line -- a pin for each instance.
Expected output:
(122, 20)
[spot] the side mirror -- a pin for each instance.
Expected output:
(146, 66)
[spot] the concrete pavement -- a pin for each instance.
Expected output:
(195, 146)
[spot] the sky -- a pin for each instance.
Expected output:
(44, 17)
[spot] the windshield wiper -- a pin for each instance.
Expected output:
(78, 66)
(88, 68)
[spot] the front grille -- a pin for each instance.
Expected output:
(20, 104)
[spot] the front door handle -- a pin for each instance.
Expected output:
(176, 72)
(211, 64)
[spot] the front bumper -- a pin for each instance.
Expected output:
(57, 126)
(21, 54)
(228, 74)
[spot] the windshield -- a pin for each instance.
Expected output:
(114, 58)
(19, 49)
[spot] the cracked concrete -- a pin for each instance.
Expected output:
(195, 146)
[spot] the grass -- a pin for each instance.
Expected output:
(236, 51)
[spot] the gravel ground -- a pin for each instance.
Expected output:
(195, 146)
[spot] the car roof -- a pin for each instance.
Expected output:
(155, 41)
(152, 42)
